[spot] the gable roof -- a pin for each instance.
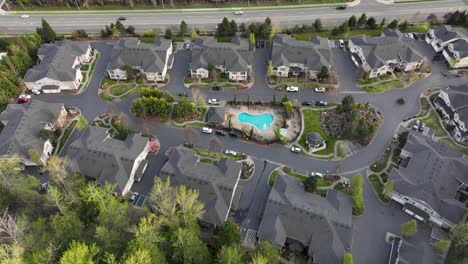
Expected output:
(215, 115)
(390, 46)
(314, 54)
(458, 96)
(103, 158)
(150, 57)
(447, 32)
(23, 124)
(461, 45)
(216, 184)
(58, 59)
(431, 175)
(328, 220)
(234, 56)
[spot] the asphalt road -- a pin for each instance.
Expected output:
(65, 23)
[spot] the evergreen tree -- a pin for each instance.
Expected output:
(371, 23)
(318, 25)
(393, 24)
(183, 28)
(362, 20)
(168, 34)
(46, 32)
(352, 22)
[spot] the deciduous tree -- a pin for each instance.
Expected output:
(358, 200)
(409, 228)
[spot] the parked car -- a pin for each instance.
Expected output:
(230, 152)
(213, 101)
(321, 103)
(221, 132)
(341, 7)
(234, 134)
(43, 188)
(24, 99)
(292, 89)
(316, 174)
(422, 127)
(207, 130)
(308, 103)
(341, 44)
(416, 125)
(36, 91)
(122, 18)
(134, 196)
(24, 16)
(238, 13)
(187, 46)
(320, 90)
(182, 94)
(216, 88)
(296, 150)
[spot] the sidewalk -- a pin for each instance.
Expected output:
(178, 10)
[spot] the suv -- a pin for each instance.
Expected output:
(422, 127)
(213, 101)
(216, 88)
(321, 103)
(292, 89)
(342, 45)
(122, 18)
(207, 130)
(308, 103)
(320, 90)
(316, 174)
(221, 132)
(24, 99)
(233, 133)
(230, 152)
(341, 7)
(416, 125)
(134, 196)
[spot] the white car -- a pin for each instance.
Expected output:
(24, 16)
(316, 174)
(213, 101)
(341, 44)
(296, 150)
(320, 90)
(134, 196)
(238, 13)
(292, 89)
(36, 91)
(207, 130)
(416, 124)
(230, 152)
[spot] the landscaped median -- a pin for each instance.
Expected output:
(378, 187)
(383, 86)
(312, 124)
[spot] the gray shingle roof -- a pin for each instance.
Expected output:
(215, 115)
(314, 54)
(23, 124)
(378, 50)
(150, 57)
(458, 96)
(431, 176)
(215, 183)
(323, 224)
(447, 32)
(461, 46)
(314, 138)
(103, 158)
(235, 56)
(58, 61)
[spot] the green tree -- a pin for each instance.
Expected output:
(442, 245)
(274, 98)
(183, 28)
(460, 237)
(358, 200)
(352, 22)
(409, 228)
(252, 39)
(318, 25)
(288, 109)
(348, 258)
(184, 108)
(66, 228)
(35, 157)
(229, 255)
(148, 237)
(393, 24)
(46, 32)
(382, 23)
(227, 234)
(323, 74)
(267, 250)
(310, 184)
(139, 256)
(149, 33)
(362, 20)
(371, 23)
(168, 34)
(79, 253)
(129, 71)
(259, 259)
(404, 26)
(188, 248)
(269, 69)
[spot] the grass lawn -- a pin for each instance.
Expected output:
(82, 122)
(272, 178)
(432, 121)
(66, 135)
(224, 39)
(323, 183)
(378, 187)
(206, 160)
(118, 90)
(424, 107)
(312, 124)
(412, 77)
(340, 187)
(326, 34)
(215, 155)
(106, 97)
(297, 175)
(146, 39)
(109, 81)
(383, 86)
(368, 81)
(454, 146)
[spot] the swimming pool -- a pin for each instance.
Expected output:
(261, 122)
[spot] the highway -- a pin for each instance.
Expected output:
(12, 23)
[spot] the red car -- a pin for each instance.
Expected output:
(24, 99)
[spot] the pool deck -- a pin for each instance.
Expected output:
(267, 134)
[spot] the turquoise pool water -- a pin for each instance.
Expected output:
(261, 122)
